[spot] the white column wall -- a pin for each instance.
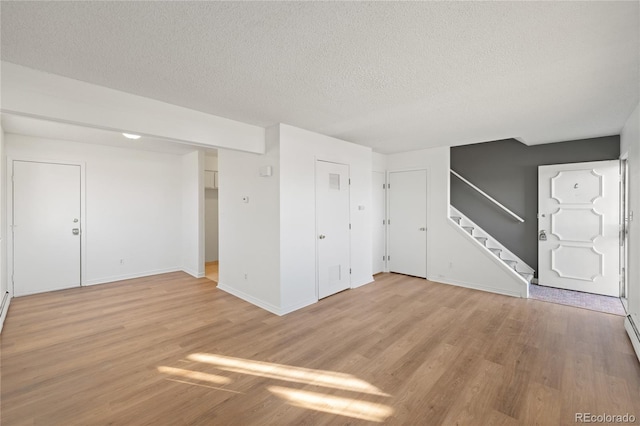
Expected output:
(249, 232)
(299, 150)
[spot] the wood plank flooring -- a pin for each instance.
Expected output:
(211, 270)
(175, 350)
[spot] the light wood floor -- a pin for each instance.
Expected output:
(211, 270)
(174, 350)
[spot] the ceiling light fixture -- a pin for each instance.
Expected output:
(131, 136)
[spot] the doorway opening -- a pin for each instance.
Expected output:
(211, 209)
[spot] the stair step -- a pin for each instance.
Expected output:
(456, 219)
(526, 276)
(483, 240)
(496, 251)
(511, 263)
(469, 229)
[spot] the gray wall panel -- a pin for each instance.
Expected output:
(508, 171)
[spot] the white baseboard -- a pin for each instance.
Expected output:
(251, 299)
(194, 274)
(629, 323)
(5, 301)
(475, 286)
(363, 281)
(129, 276)
(297, 305)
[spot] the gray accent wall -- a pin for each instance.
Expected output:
(508, 171)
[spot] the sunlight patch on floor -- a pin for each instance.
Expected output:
(354, 408)
(202, 386)
(195, 375)
(288, 373)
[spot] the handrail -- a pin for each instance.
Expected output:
(493, 200)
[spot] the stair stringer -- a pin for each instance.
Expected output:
(491, 242)
(522, 287)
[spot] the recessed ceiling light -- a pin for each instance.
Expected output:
(131, 136)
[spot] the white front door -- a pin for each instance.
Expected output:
(378, 210)
(578, 226)
(332, 224)
(46, 227)
(408, 222)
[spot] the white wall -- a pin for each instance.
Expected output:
(193, 214)
(249, 233)
(452, 258)
(379, 162)
(299, 150)
(133, 205)
(211, 224)
(211, 214)
(4, 287)
(630, 144)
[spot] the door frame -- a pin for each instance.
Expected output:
(315, 214)
(384, 216)
(10, 218)
(388, 210)
(624, 228)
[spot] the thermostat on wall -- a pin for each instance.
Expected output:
(266, 171)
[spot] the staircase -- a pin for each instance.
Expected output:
(492, 246)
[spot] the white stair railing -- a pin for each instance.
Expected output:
(487, 196)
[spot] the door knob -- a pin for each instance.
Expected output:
(322, 237)
(75, 231)
(542, 236)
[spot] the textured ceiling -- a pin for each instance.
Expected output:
(395, 76)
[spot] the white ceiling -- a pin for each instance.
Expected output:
(395, 76)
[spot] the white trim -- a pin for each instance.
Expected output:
(489, 197)
(83, 213)
(368, 280)
(295, 306)
(477, 287)
(115, 278)
(194, 274)
(5, 308)
(635, 339)
(251, 299)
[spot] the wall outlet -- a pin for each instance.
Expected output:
(245, 199)
(246, 276)
(122, 261)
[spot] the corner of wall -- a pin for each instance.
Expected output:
(249, 224)
(5, 292)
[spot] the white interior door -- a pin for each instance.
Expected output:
(332, 220)
(46, 227)
(378, 217)
(408, 222)
(578, 226)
